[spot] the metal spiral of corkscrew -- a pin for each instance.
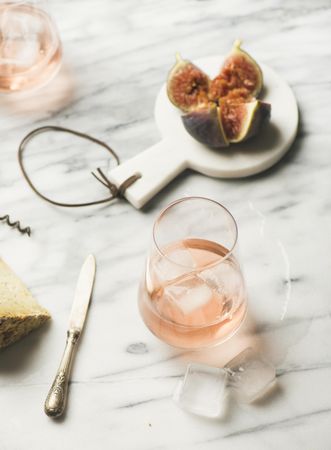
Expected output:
(17, 225)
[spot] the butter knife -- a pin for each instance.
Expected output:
(57, 397)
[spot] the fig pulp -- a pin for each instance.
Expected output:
(240, 77)
(242, 121)
(224, 110)
(205, 125)
(187, 85)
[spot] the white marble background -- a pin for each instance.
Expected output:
(117, 54)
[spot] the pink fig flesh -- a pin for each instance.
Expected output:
(242, 121)
(240, 77)
(187, 85)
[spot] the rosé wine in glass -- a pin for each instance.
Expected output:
(30, 48)
(193, 294)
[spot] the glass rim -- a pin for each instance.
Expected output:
(184, 199)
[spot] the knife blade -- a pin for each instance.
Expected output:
(57, 397)
(83, 294)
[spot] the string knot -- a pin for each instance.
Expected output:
(114, 190)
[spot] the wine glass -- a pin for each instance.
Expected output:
(30, 47)
(192, 294)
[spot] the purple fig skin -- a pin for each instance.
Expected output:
(261, 115)
(205, 126)
(264, 115)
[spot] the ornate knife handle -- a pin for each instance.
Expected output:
(57, 397)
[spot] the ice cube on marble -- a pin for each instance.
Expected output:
(250, 376)
(203, 391)
(189, 295)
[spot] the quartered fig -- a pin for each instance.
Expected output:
(224, 110)
(240, 76)
(205, 125)
(242, 121)
(187, 85)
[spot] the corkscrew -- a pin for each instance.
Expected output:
(17, 225)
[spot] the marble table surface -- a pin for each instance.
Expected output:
(116, 56)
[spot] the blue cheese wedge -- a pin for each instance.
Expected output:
(19, 311)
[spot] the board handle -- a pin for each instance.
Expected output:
(157, 165)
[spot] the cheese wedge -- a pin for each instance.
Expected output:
(19, 311)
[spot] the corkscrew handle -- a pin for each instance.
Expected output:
(57, 397)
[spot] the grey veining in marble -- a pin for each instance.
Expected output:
(117, 54)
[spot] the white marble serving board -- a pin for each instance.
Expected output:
(177, 150)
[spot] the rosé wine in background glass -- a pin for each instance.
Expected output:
(30, 48)
(192, 294)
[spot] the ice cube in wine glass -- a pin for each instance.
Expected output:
(191, 302)
(189, 295)
(225, 278)
(203, 391)
(175, 264)
(19, 35)
(250, 376)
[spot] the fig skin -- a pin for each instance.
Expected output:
(187, 85)
(261, 114)
(252, 116)
(240, 76)
(205, 126)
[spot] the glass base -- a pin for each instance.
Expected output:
(190, 338)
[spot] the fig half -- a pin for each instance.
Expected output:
(240, 76)
(205, 125)
(242, 121)
(187, 85)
